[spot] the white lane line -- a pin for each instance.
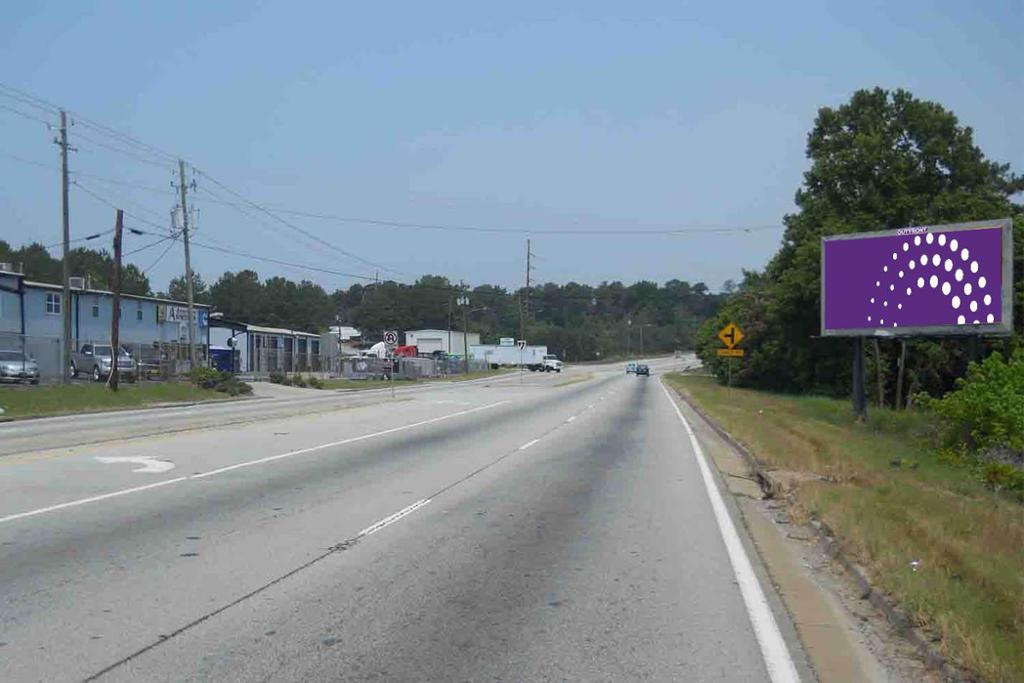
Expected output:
(570, 419)
(528, 444)
(773, 648)
(388, 521)
(590, 406)
(250, 463)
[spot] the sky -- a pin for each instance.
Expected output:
(532, 115)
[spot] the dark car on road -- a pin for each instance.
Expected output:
(642, 369)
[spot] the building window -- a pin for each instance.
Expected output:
(138, 313)
(95, 311)
(53, 303)
(314, 347)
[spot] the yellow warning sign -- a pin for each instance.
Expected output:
(730, 335)
(732, 353)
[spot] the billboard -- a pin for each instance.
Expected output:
(952, 279)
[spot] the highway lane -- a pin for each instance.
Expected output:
(567, 535)
(72, 430)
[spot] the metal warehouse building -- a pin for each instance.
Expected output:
(260, 350)
(153, 330)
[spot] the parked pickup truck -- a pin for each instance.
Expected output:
(95, 359)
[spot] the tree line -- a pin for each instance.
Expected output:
(579, 321)
(883, 160)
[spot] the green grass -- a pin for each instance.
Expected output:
(384, 384)
(890, 500)
(78, 398)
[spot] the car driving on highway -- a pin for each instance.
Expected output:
(642, 369)
(631, 367)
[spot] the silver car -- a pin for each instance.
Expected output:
(16, 366)
(95, 359)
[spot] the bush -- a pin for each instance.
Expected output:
(297, 380)
(277, 377)
(986, 410)
(314, 383)
(224, 382)
(207, 378)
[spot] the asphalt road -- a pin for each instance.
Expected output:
(497, 531)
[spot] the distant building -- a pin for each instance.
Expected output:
(31, 320)
(341, 340)
(258, 349)
(452, 343)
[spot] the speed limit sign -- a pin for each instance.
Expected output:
(391, 338)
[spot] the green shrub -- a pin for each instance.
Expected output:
(314, 383)
(297, 380)
(277, 377)
(207, 378)
(986, 410)
(286, 380)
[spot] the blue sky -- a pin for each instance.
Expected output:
(536, 115)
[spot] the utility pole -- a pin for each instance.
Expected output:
(183, 189)
(115, 319)
(465, 333)
(524, 305)
(62, 142)
(449, 350)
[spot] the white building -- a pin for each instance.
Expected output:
(452, 343)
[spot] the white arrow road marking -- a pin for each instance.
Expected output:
(149, 465)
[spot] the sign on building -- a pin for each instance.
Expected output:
(507, 341)
(952, 279)
(179, 314)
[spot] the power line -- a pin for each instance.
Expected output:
(112, 205)
(161, 256)
(151, 245)
(46, 123)
(120, 150)
(296, 228)
(235, 252)
(26, 98)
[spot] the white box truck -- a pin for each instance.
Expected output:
(504, 356)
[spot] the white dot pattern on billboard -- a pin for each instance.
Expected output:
(938, 274)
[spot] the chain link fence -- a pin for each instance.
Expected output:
(41, 358)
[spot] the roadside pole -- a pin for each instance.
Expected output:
(115, 318)
(860, 402)
(62, 142)
(188, 267)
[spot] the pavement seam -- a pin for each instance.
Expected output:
(338, 547)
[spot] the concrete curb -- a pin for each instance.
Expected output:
(152, 406)
(828, 542)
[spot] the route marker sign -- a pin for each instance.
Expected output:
(391, 338)
(731, 353)
(521, 344)
(730, 336)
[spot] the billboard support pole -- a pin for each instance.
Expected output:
(860, 404)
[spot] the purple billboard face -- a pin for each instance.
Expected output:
(937, 280)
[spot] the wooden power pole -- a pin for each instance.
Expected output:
(188, 266)
(115, 318)
(62, 142)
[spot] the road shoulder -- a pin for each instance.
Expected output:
(844, 637)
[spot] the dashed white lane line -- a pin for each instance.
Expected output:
(391, 519)
(570, 419)
(248, 463)
(528, 444)
(776, 655)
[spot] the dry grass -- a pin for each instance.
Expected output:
(890, 501)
